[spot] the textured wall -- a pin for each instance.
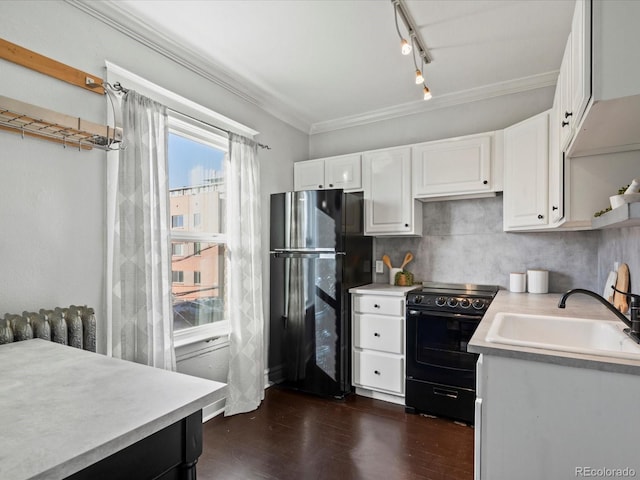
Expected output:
(620, 245)
(463, 242)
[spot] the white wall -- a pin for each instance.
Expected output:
(476, 117)
(53, 199)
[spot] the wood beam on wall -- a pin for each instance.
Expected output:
(29, 59)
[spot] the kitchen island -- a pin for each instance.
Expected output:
(69, 413)
(549, 413)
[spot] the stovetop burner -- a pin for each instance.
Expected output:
(453, 297)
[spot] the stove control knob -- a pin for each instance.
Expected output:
(418, 299)
(452, 302)
(478, 304)
(440, 301)
(465, 303)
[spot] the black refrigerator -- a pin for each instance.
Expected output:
(317, 252)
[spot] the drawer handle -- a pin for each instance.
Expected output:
(376, 334)
(443, 392)
(375, 305)
(377, 372)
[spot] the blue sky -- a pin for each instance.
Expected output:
(190, 162)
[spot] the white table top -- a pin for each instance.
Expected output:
(63, 409)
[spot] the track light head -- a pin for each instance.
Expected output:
(419, 77)
(427, 93)
(405, 47)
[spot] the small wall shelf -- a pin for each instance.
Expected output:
(34, 121)
(627, 215)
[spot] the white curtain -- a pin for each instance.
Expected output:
(244, 277)
(139, 307)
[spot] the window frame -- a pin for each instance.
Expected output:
(191, 118)
(197, 132)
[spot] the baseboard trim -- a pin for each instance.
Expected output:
(387, 397)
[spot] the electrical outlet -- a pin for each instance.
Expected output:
(379, 266)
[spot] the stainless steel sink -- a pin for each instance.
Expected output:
(578, 335)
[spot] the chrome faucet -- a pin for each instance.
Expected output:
(634, 309)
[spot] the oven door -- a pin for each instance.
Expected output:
(437, 347)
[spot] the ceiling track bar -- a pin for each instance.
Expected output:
(34, 61)
(406, 18)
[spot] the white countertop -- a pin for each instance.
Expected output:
(580, 306)
(63, 409)
(382, 289)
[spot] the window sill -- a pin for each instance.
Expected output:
(202, 333)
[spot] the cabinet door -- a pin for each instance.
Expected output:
(580, 61)
(308, 175)
(565, 120)
(526, 184)
(343, 172)
(556, 169)
(452, 167)
(389, 205)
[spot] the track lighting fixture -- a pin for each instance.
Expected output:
(405, 47)
(416, 44)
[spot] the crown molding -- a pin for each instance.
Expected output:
(485, 92)
(119, 19)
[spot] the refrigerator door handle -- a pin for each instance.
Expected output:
(304, 254)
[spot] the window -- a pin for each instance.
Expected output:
(177, 221)
(177, 276)
(197, 192)
(177, 249)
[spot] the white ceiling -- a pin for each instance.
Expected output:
(322, 64)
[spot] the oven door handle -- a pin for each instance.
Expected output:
(461, 316)
(445, 392)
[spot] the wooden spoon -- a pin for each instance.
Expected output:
(407, 258)
(387, 261)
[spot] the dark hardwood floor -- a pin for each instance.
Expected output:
(294, 436)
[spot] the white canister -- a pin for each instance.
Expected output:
(538, 281)
(518, 282)
(392, 275)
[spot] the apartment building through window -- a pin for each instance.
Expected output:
(196, 196)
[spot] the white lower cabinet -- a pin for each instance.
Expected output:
(538, 420)
(378, 336)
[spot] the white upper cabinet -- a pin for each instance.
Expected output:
(308, 175)
(456, 166)
(526, 167)
(609, 75)
(564, 121)
(390, 208)
(344, 172)
(580, 60)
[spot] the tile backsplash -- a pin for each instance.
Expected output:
(463, 242)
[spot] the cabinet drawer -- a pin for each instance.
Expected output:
(379, 332)
(382, 305)
(379, 371)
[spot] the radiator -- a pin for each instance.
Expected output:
(74, 326)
